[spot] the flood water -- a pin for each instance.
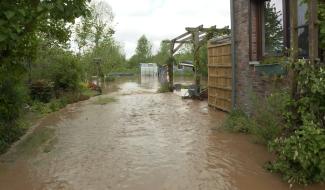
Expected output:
(141, 141)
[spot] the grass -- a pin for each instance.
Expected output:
(266, 122)
(164, 88)
(104, 100)
(41, 136)
(89, 92)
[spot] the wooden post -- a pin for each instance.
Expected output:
(313, 30)
(171, 67)
(294, 43)
(294, 53)
(196, 47)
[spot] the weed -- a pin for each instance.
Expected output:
(164, 88)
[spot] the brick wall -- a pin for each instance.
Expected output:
(248, 81)
(241, 14)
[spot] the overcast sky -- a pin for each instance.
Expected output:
(164, 19)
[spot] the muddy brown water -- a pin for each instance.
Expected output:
(141, 141)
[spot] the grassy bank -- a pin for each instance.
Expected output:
(33, 111)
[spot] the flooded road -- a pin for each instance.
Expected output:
(141, 140)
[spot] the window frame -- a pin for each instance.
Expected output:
(260, 30)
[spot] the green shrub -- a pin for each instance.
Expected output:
(41, 90)
(301, 157)
(66, 74)
(238, 121)
(12, 94)
(10, 133)
(40, 107)
(110, 79)
(268, 117)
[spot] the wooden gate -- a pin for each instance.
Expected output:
(220, 74)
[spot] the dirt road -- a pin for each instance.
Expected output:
(139, 140)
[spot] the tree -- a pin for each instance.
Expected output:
(143, 49)
(22, 22)
(95, 27)
(273, 28)
(111, 55)
(163, 54)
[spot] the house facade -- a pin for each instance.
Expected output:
(261, 30)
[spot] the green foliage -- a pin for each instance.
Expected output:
(65, 73)
(163, 54)
(95, 27)
(42, 90)
(112, 58)
(268, 116)
(266, 121)
(143, 52)
(310, 100)
(21, 20)
(10, 134)
(164, 88)
(301, 152)
(301, 157)
(238, 121)
(13, 93)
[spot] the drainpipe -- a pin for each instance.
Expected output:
(234, 55)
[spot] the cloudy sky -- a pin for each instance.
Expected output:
(164, 19)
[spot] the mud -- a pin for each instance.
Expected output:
(142, 141)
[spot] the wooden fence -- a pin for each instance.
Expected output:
(220, 74)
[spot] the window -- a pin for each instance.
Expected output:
(270, 28)
(273, 28)
(302, 30)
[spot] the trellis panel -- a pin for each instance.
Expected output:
(220, 75)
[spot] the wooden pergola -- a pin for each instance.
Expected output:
(197, 36)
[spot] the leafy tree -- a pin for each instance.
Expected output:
(95, 27)
(22, 22)
(163, 54)
(143, 50)
(111, 57)
(273, 28)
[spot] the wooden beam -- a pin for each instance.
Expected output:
(294, 28)
(177, 48)
(191, 29)
(313, 29)
(181, 36)
(183, 41)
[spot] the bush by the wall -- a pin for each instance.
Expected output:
(268, 116)
(266, 122)
(301, 157)
(238, 121)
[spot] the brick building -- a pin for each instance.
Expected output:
(260, 29)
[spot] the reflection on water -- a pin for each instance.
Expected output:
(149, 82)
(143, 141)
